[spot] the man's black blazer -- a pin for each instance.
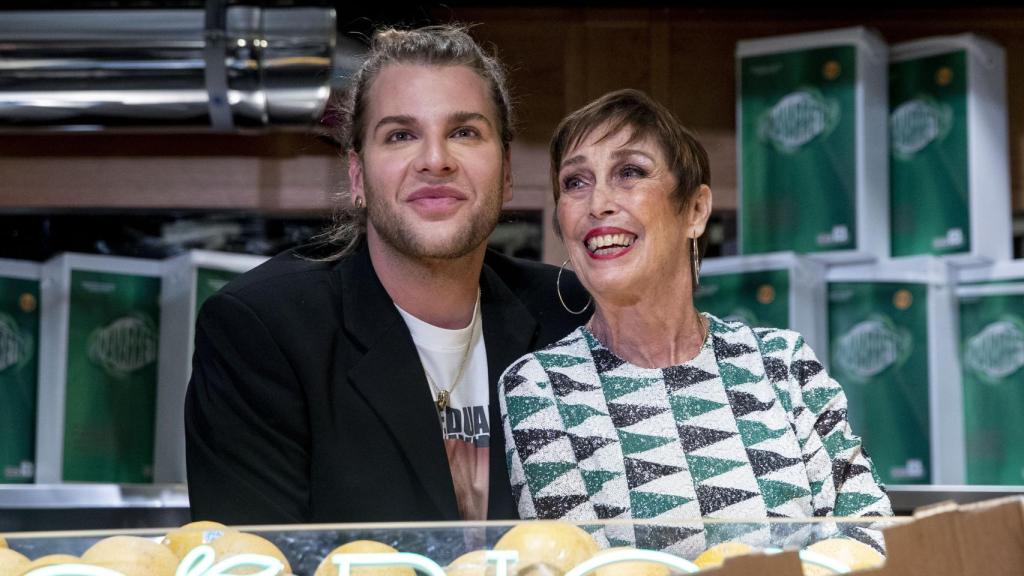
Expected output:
(308, 402)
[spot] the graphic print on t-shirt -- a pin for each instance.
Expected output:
(468, 424)
(465, 424)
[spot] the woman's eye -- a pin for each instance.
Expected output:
(466, 132)
(633, 172)
(572, 183)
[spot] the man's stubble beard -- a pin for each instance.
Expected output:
(471, 233)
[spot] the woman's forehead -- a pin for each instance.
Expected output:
(615, 135)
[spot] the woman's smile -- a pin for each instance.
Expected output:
(608, 242)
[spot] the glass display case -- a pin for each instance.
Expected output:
(823, 546)
(943, 539)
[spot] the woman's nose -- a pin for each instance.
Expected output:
(603, 202)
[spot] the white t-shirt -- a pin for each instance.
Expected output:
(465, 423)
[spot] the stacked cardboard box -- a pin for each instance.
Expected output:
(944, 540)
(189, 280)
(19, 362)
(811, 115)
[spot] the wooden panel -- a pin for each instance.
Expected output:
(531, 44)
(301, 183)
(618, 55)
(558, 59)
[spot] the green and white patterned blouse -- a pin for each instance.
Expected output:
(751, 428)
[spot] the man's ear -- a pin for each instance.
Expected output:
(506, 177)
(355, 176)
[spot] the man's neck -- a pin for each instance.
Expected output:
(441, 292)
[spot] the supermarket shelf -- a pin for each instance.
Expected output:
(93, 496)
(906, 498)
(32, 507)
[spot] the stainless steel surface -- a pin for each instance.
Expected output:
(90, 69)
(905, 498)
(68, 496)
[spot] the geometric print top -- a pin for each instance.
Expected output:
(751, 428)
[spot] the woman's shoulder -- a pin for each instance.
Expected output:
(571, 349)
(770, 340)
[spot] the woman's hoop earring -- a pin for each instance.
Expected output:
(558, 290)
(696, 262)
(358, 202)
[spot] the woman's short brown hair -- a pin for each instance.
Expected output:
(635, 111)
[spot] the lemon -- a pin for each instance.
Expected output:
(11, 562)
(548, 547)
(717, 554)
(233, 543)
(48, 560)
(469, 564)
(851, 553)
(132, 556)
(328, 568)
(184, 539)
(631, 568)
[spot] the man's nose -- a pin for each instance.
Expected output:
(435, 157)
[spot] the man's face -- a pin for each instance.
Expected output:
(433, 170)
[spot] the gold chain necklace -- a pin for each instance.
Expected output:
(445, 396)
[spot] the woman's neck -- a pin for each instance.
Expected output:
(651, 336)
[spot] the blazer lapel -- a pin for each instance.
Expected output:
(390, 377)
(509, 332)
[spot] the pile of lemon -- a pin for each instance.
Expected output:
(135, 556)
(544, 549)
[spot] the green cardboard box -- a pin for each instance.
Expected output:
(892, 346)
(991, 346)
(782, 290)
(811, 131)
(98, 387)
(189, 280)
(949, 149)
(19, 369)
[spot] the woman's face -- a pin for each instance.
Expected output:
(624, 232)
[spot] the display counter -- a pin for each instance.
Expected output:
(537, 549)
(941, 540)
(38, 507)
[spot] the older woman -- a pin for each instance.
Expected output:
(653, 409)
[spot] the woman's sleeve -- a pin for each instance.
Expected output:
(519, 399)
(843, 479)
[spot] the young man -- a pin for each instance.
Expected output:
(361, 386)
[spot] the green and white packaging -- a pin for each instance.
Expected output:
(949, 149)
(812, 161)
(781, 290)
(991, 357)
(19, 368)
(98, 385)
(190, 279)
(892, 338)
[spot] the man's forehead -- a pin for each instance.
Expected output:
(420, 90)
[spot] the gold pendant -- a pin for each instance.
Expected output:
(442, 400)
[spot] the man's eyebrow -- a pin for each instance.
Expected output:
(400, 119)
(462, 116)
